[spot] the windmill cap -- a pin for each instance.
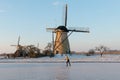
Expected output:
(63, 28)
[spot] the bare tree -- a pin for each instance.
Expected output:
(48, 50)
(91, 51)
(49, 46)
(102, 49)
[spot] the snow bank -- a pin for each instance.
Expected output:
(73, 58)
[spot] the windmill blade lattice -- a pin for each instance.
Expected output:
(79, 29)
(50, 29)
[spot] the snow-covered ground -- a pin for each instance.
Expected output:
(60, 59)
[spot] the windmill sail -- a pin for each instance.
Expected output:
(50, 29)
(18, 41)
(79, 29)
(66, 15)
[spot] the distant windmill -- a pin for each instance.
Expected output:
(19, 51)
(61, 43)
(18, 43)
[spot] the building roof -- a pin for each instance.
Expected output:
(63, 28)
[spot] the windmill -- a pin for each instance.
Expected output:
(18, 43)
(61, 43)
(20, 49)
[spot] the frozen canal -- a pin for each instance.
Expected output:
(58, 71)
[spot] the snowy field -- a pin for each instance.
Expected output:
(58, 71)
(61, 59)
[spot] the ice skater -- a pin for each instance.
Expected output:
(67, 60)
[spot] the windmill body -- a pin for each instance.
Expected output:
(61, 44)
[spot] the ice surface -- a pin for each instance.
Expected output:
(59, 71)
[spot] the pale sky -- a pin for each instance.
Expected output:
(30, 18)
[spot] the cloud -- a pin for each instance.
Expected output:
(56, 3)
